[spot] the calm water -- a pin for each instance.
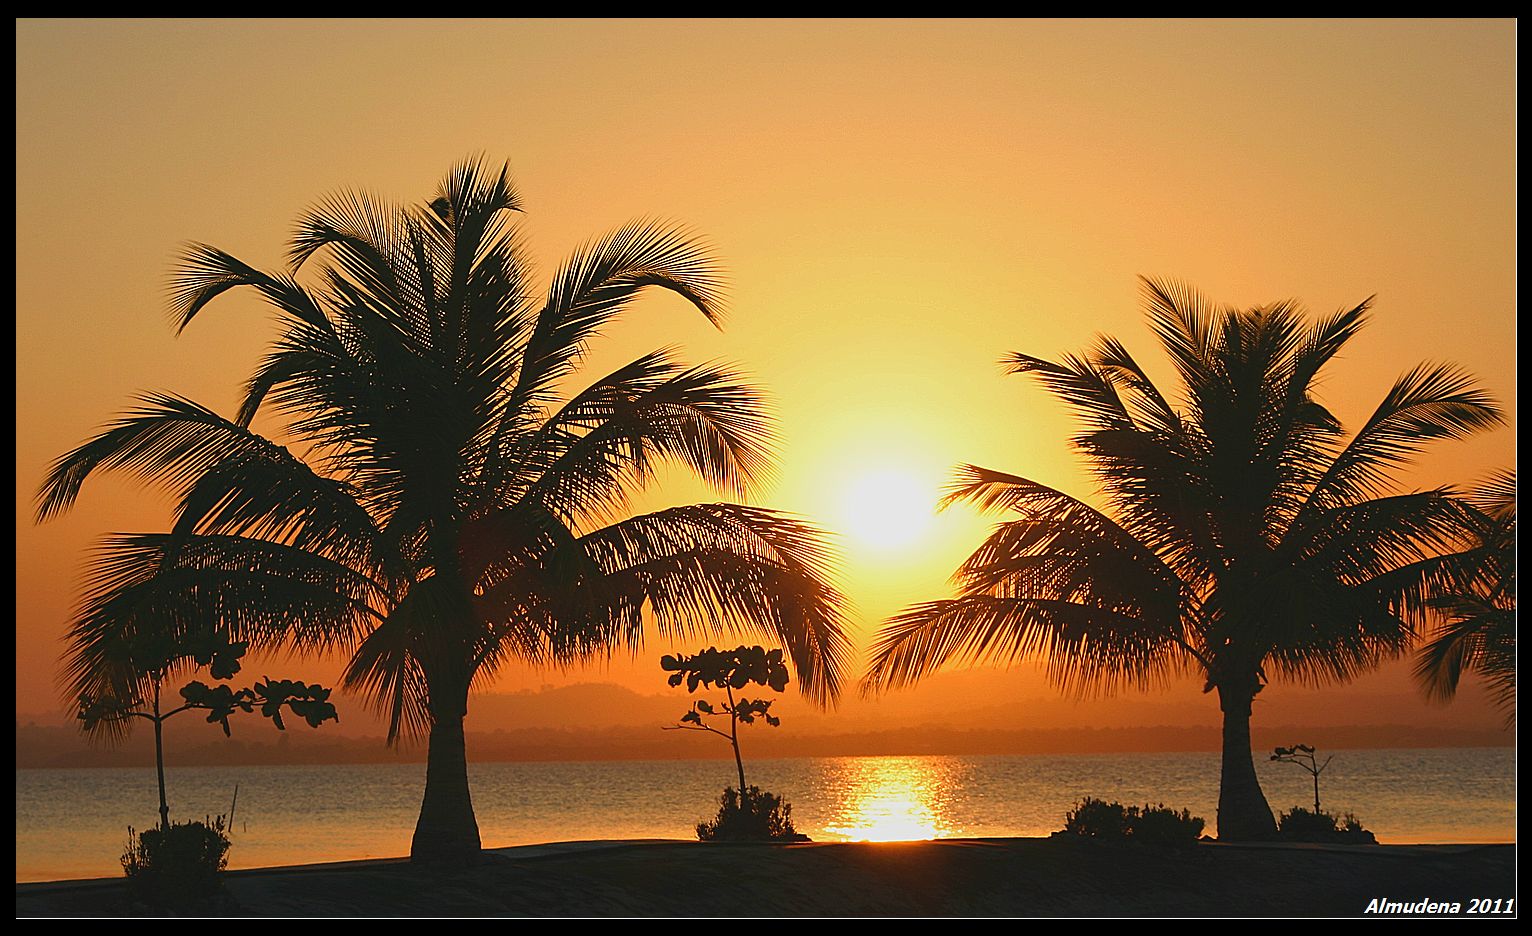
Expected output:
(73, 823)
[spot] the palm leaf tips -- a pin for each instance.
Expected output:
(440, 507)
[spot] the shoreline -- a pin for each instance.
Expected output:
(943, 877)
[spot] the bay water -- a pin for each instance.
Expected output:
(72, 823)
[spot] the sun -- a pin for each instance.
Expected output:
(887, 510)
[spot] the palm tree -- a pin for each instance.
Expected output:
(1244, 536)
(440, 508)
(1479, 631)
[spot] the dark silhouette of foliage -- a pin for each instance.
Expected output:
(1300, 825)
(1303, 756)
(176, 867)
(728, 670)
(1244, 537)
(760, 817)
(441, 508)
(154, 654)
(1478, 633)
(1152, 825)
(1094, 818)
(1161, 825)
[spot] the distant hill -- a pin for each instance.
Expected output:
(195, 743)
(965, 712)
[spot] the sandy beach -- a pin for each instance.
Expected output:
(952, 877)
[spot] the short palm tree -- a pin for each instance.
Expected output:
(441, 506)
(1478, 633)
(1243, 536)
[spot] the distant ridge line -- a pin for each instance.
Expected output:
(58, 746)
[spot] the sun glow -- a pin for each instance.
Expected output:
(888, 509)
(891, 799)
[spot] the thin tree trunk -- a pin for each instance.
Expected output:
(446, 833)
(159, 756)
(1243, 813)
(734, 739)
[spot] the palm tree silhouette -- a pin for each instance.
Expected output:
(1244, 536)
(440, 508)
(1479, 631)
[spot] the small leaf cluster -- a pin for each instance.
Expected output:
(734, 669)
(154, 652)
(1282, 752)
(310, 702)
(729, 669)
(746, 710)
(221, 656)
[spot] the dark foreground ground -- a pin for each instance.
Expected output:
(957, 877)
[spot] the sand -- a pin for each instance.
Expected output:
(953, 877)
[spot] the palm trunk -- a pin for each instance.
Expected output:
(1243, 813)
(446, 833)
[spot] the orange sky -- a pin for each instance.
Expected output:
(898, 204)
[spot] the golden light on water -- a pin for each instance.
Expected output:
(891, 799)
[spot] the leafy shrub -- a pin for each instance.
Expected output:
(761, 817)
(1303, 825)
(1155, 825)
(1350, 825)
(1095, 818)
(176, 868)
(1162, 825)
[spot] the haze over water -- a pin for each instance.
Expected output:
(72, 823)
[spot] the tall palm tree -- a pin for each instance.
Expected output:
(1243, 536)
(1478, 633)
(440, 507)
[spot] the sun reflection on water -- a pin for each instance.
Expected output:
(890, 799)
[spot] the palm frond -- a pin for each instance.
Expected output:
(205, 273)
(713, 567)
(1082, 647)
(1240, 535)
(167, 438)
(1427, 403)
(385, 671)
(703, 418)
(1080, 384)
(272, 595)
(1477, 603)
(269, 494)
(597, 282)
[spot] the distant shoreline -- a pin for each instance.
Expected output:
(58, 747)
(947, 877)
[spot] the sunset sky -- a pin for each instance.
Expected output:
(898, 204)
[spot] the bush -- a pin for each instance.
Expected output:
(176, 868)
(1303, 825)
(1153, 825)
(1161, 825)
(762, 817)
(1095, 818)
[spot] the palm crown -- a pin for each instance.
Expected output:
(1245, 536)
(439, 508)
(1478, 633)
